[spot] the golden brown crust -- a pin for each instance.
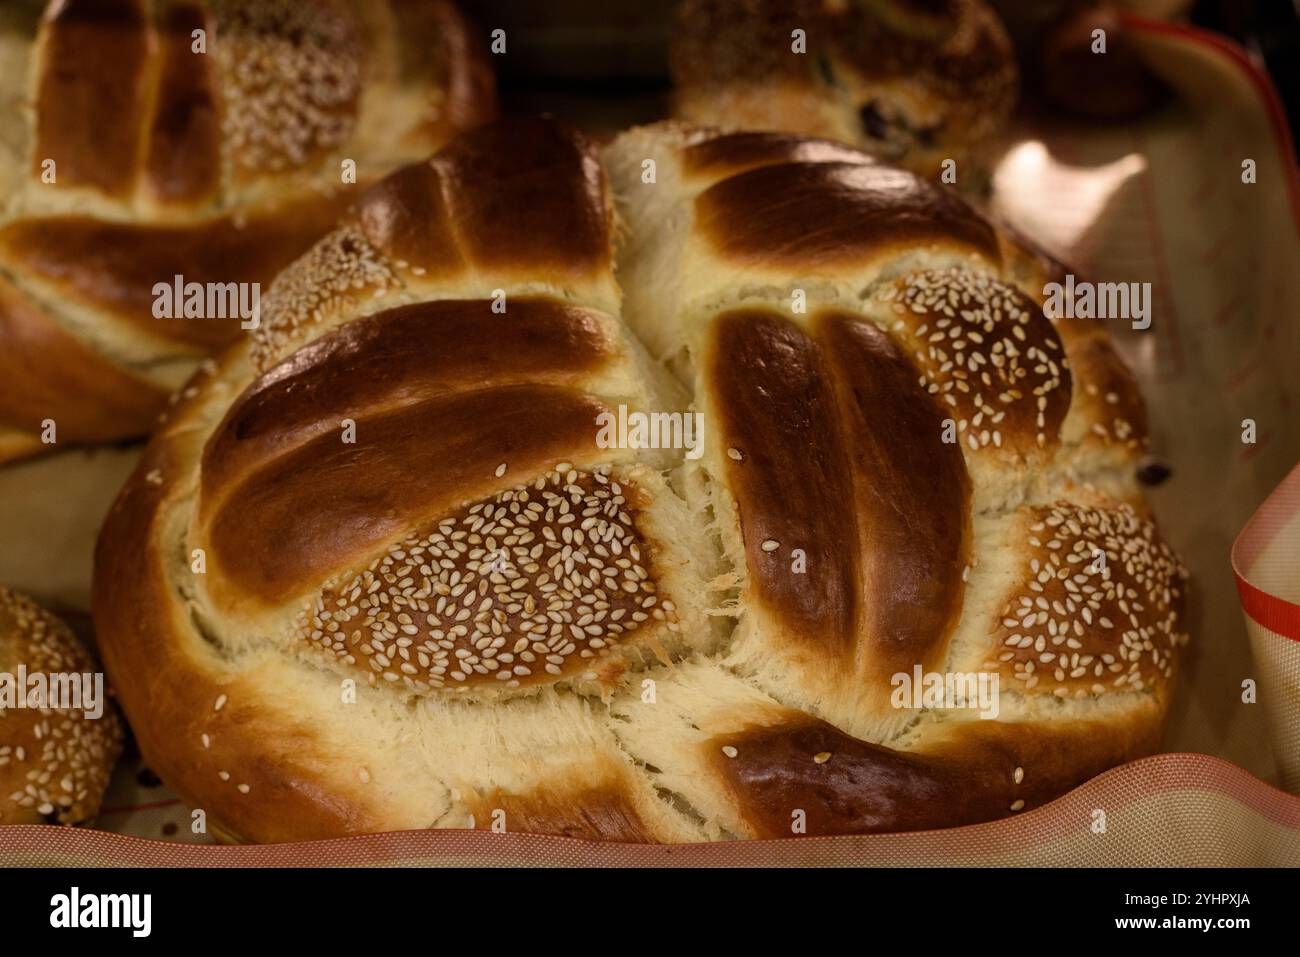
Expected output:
(265, 547)
(895, 435)
(823, 437)
(85, 395)
(511, 209)
(451, 212)
(55, 757)
(471, 565)
(790, 475)
(90, 101)
(184, 160)
(811, 215)
(406, 216)
(980, 772)
(537, 340)
(112, 267)
(185, 707)
(219, 163)
(550, 182)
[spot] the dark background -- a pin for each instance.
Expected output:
(607, 59)
(1270, 32)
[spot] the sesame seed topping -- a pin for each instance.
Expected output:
(1090, 624)
(729, 751)
(988, 352)
(525, 587)
(291, 77)
(821, 757)
(317, 286)
(64, 768)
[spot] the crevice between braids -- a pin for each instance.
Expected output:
(652, 775)
(79, 331)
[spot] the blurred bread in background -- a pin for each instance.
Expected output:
(210, 141)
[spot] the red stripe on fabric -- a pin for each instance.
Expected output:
(1277, 512)
(1269, 611)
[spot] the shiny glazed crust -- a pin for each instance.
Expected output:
(384, 574)
(136, 158)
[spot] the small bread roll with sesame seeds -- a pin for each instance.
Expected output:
(59, 736)
(192, 144)
(915, 84)
(387, 570)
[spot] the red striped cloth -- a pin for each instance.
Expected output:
(1266, 560)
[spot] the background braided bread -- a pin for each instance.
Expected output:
(912, 83)
(396, 493)
(219, 166)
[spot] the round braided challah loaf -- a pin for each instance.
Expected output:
(376, 571)
(206, 139)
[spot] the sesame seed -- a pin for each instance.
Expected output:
(535, 581)
(64, 774)
(287, 100)
(327, 277)
(1063, 597)
(970, 332)
(729, 751)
